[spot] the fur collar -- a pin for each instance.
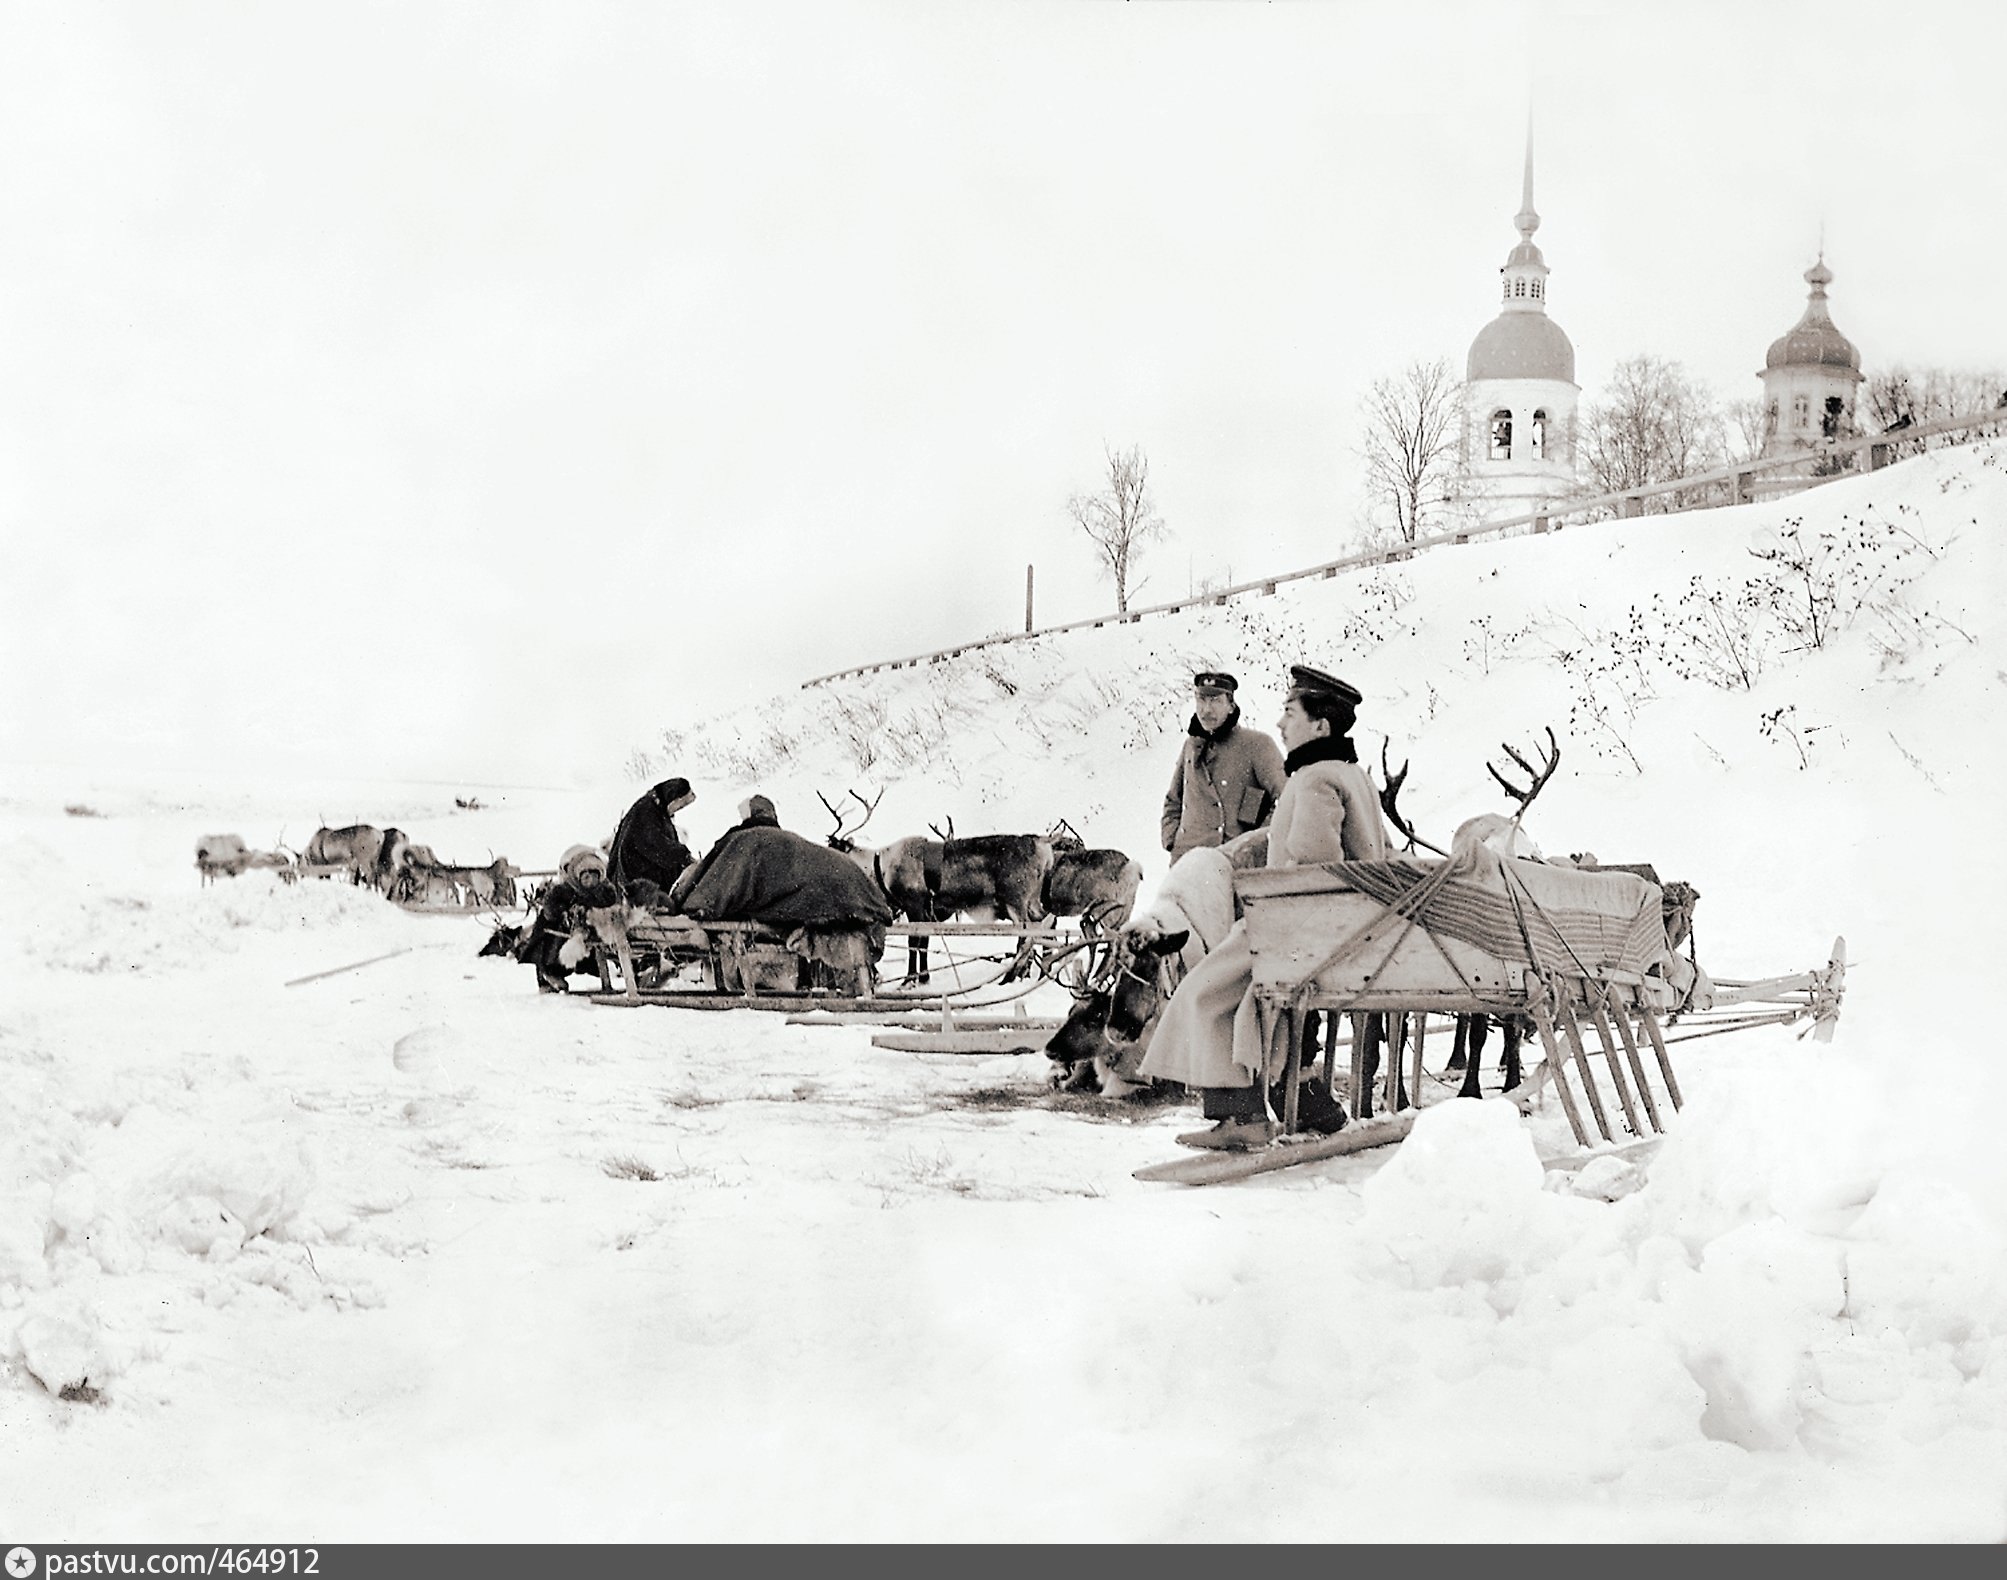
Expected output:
(1324, 749)
(1199, 732)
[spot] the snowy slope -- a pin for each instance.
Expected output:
(380, 1255)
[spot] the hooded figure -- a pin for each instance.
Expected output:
(557, 943)
(646, 849)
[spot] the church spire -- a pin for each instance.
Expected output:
(1525, 270)
(1526, 219)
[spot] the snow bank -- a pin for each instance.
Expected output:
(407, 1251)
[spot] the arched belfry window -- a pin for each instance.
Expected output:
(1801, 411)
(1537, 435)
(1536, 289)
(1518, 287)
(1501, 435)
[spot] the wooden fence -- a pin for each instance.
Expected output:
(1740, 483)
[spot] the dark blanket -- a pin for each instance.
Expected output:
(646, 848)
(770, 876)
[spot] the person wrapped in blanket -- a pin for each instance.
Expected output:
(559, 941)
(646, 854)
(1209, 1036)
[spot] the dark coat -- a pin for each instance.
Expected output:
(646, 845)
(561, 912)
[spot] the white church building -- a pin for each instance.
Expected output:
(1520, 390)
(1520, 435)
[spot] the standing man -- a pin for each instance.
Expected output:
(1228, 778)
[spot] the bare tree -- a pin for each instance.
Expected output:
(1747, 428)
(1412, 444)
(1653, 425)
(1901, 397)
(1120, 518)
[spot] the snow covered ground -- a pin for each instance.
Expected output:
(408, 1252)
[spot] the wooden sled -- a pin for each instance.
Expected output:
(1321, 944)
(674, 961)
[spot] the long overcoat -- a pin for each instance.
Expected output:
(1208, 1034)
(1224, 785)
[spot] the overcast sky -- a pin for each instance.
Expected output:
(472, 389)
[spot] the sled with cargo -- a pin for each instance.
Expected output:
(1589, 956)
(647, 956)
(227, 856)
(1423, 942)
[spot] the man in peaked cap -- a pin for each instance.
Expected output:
(1305, 681)
(647, 854)
(1210, 1036)
(1228, 777)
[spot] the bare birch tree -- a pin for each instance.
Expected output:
(1412, 445)
(1747, 427)
(1120, 518)
(1652, 425)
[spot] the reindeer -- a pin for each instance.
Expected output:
(356, 846)
(1504, 837)
(900, 869)
(933, 880)
(1098, 886)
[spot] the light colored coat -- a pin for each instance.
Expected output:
(1209, 1034)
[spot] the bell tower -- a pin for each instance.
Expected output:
(1520, 384)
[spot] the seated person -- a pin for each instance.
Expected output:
(756, 811)
(558, 942)
(760, 873)
(1208, 1037)
(646, 854)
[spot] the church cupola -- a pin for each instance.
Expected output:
(1520, 384)
(1810, 375)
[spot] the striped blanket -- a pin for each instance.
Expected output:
(1559, 918)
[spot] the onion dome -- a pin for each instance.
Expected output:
(1813, 340)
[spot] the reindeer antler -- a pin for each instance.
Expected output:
(837, 832)
(1391, 794)
(869, 807)
(950, 834)
(1537, 777)
(841, 837)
